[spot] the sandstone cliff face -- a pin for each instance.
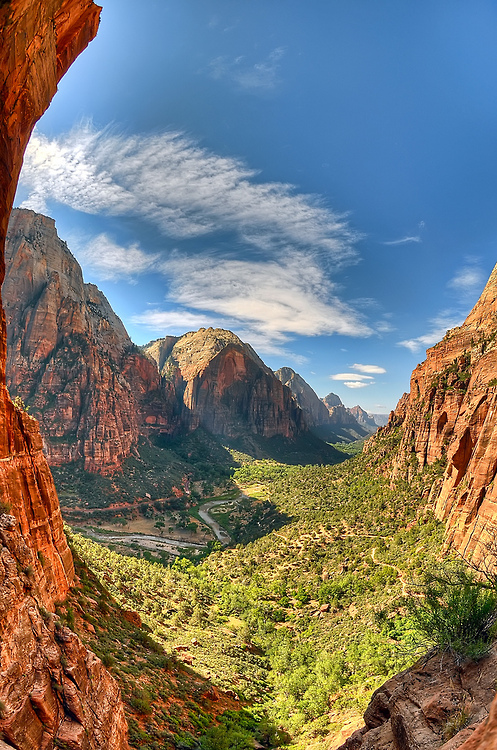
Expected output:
(50, 686)
(52, 689)
(315, 410)
(69, 357)
(450, 415)
(363, 418)
(225, 387)
(414, 709)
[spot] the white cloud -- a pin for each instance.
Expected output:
(468, 280)
(438, 328)
(265, 302)
(183, 189)
(375, 369)
(275, 299)
(112, 261)
(351, 376)
(179, 320)
(259, 76)
(404, 240)
(356, 384)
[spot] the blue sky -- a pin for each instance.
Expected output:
(319, 178)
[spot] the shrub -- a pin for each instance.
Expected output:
(456, 614)
(460, 719)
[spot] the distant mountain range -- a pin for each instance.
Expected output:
(328, 417)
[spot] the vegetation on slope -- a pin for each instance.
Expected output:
(303, 622)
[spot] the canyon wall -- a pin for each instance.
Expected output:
(51, 688)
(225, 387)
(450, 415)
(69, 357)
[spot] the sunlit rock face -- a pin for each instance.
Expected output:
(53, 690)
(450, 414)
(413, 709)
(69, 356)
(315, 410)
(363, 418)
(225, 387)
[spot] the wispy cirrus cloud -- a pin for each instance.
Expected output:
(273, 282)
(177, 320)
(262, 75)
(468, 280)
(438, 327)
(404, 240)
(267, 303)
(183, 189)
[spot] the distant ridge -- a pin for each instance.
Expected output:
(327, 418)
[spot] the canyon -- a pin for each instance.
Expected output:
(328, 417)
(96, 394)
(53, 690)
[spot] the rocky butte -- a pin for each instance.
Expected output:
(51, 687)
(328, 417)
(224, 386)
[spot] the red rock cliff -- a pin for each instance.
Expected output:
(225, 387)
(69, 356)
(450, 415)
(51, 688)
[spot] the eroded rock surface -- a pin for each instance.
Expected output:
(315, 410)
(52, 689)
(225, 387)
(438, 703)
(450, 415)
(69, 356)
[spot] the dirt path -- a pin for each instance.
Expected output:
(389, 565)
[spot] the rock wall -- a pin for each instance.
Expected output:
(437, 703)
(315, 410)
(51, 687)
(450, 415)
(225, 387)
(69, 356)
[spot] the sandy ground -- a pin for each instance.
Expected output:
(146, 526)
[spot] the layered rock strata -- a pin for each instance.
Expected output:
(450, 415)
(52, 689)
(363, 418)
(438, 703)
(223, 386)
(69, 357)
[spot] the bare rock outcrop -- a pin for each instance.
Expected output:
(224, 386)
(450, 415)
(437, 703)
(52, 689)
(315, 410)
(69, 356)
(363, 418)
